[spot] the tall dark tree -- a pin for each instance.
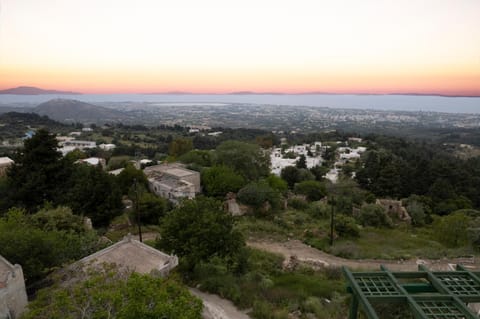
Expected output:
(301, 162)
(94, 193)
(38, 174)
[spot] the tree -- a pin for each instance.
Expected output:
(314, 190)
(199, 229)
(39, 243)
(128, 176)
(346, 226)
(277, 183)
(58, 219)
(111, 293)
(151, 208)
(416, 211)
(256, 194)
(248, 160)
(301, 162)
(38, 174)
(319, 172)
(199, 157)
(290, 174)
(219, 180)
(92, 192)
(180, 146)
(374, 215)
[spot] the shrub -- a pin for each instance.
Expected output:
(374, 215)
(314, 190)
(319, 209)
(451, 229)
(346, 226)
(297, 203)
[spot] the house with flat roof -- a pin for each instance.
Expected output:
(133, 255)
(173, 181)
(13, 295)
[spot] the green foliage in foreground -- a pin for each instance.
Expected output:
(109, 293)
(43, 241)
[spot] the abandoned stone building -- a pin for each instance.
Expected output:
(395, 209)
(173, 181)
(13, 296)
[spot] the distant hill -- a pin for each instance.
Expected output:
(30, 119)
(14, 125)
(30, 90)
(7, 108)
(64, 110)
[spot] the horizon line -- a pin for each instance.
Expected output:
(179, 92)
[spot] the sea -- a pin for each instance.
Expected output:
(425, 103)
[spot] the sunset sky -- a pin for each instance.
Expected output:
(142, 46)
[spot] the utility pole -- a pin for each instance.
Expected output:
(136, 210)
(332, 219)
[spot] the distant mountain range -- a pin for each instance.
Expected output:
(64, 110)
(68, 111)
(30, 90)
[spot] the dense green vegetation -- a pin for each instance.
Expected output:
(111, 293)
(397, 168)
(44, 241)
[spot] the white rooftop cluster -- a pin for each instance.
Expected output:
(278, 162)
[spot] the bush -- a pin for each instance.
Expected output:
(314, 190)
(219, 180)
(451, 229)
(256, 194)
(319, 209)
(346, 226)
(374, 215)
(297, 203)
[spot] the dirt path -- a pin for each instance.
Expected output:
(147, 236)
(215, 307)
(316, 258)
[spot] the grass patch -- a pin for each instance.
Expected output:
(400, 242)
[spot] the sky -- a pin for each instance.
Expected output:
(221, 46)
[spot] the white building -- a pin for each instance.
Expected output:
(71, 144)
(94, 161)
(173, 181)
(107, 147)
(278, 162)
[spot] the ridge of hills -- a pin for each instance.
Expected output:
(65, 110)
(31, 90)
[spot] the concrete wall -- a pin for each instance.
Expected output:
(195, 180)
(13, 296)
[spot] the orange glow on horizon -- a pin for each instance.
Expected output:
(216, 46)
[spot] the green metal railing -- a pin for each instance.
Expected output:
(428, 295)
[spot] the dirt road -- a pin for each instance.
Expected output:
(215, 307)
(317, 259)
